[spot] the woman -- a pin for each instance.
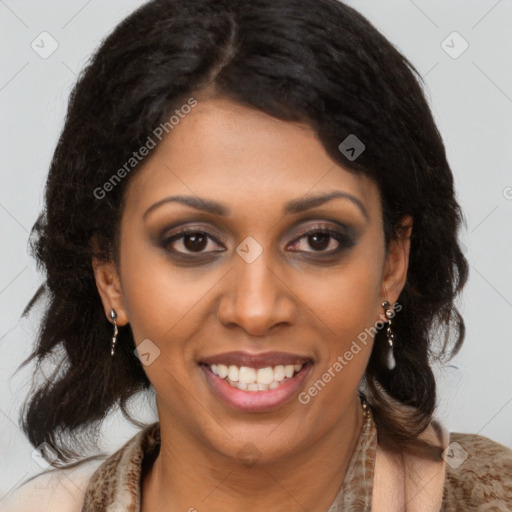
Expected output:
(250, 212)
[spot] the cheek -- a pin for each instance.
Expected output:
(348, 305)
(347, 299)
(163, 305)
(161, 299)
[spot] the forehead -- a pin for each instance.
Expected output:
(244, 158)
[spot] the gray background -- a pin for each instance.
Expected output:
(471, 97)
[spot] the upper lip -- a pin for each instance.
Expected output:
(262, 360)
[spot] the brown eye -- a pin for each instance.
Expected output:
(322, 241)
(195, 242)
(319, 241)
(190, 241)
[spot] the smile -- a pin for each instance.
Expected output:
(252, 379)
(255, 382)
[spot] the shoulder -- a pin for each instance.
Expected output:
(116, 483)
(69, 489)
(58, 490)
(478, 472)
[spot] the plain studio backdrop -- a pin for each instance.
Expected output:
(462, 48)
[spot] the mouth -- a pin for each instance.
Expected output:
(252, 379)
(255, 382)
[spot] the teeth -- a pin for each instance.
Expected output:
(279, 373)
(233, 373)
(247, 375)
(265, 375)
(222, 369)
(289, 370)
(250, 379)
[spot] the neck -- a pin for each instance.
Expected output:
(186, 476)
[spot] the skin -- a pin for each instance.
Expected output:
(290, 299)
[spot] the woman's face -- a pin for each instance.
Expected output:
(277, 280)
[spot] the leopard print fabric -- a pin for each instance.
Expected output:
(483, 480)
(115, 485)
(478, 475)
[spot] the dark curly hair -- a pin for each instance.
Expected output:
(313, 61)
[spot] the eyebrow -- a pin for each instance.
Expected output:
(291, 207)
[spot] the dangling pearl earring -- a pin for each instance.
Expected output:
(113, 316)
(390, 313)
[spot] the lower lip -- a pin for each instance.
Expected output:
(255, 401)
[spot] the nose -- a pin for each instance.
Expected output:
(256, 298)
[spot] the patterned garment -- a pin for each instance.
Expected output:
(480, 483)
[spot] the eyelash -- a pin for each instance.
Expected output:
(345, 241)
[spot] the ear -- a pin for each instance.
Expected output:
(109, 288)
(397, 262)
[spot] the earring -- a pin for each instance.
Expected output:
(390, 313)
(113, 316)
